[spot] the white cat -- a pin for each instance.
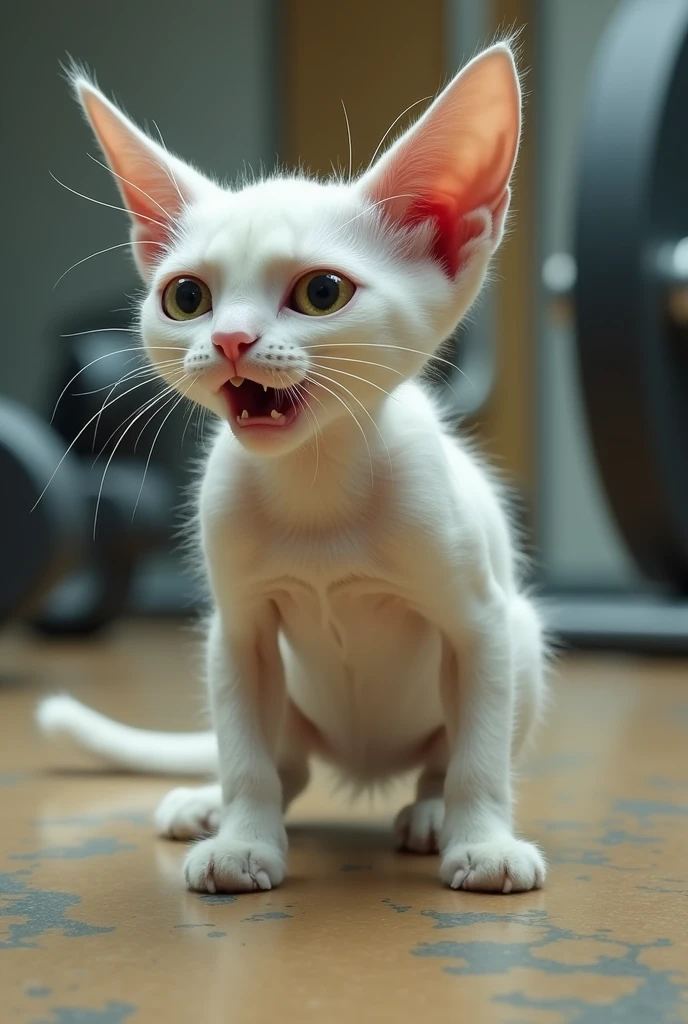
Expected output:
(368, 608)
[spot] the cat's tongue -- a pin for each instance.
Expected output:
(255, 405)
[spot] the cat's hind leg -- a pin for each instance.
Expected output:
(193, 812)
(189, 812)
(418, 826)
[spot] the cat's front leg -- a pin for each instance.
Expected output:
(479, 677)
(246, 683)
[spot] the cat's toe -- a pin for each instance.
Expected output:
(186, 813)
(418, 826)
(502, 865)
(222, 865)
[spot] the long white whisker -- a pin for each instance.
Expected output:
(168, 170)
(387, 199)
(193, 409)
(317, 384)
(142, 412)
(127, 182)
(103, 330)
(175, 387)
(348, 133)
(293, 393)
(114, 387)
(383, 366)
(118, 352)
(139, 371)
(157, 435)
(365, 362)
(110, 248)
(148, 404)
(99, 202)
(395, 122)
(368, 414)
(84, 428)
(397, 348)
(316, 432)
(364, 380)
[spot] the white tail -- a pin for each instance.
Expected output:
(138, 750)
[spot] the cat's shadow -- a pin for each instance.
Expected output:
(330, 837)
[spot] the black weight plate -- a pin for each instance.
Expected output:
(36, 547)
(632, 201)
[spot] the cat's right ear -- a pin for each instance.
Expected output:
(154, 185)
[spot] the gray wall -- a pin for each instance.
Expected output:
(578, 540)
(203, 71)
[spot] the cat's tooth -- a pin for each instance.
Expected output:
(265, 387)
(244, 415)
(236, 381)
(277, 415)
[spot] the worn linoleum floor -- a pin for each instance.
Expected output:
(96, 928)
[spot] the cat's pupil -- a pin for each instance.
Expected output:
(188, 296)
(323, 291)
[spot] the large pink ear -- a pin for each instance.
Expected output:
(155, 186)
(453, 165)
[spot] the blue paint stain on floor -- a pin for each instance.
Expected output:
(592, 858)
(42, 910)
(645, 810)
(38, 991)
(218, 899)
(583, 878)
(612, 835)
(216, 935)
(112, 1013)
(658, 996)
(99, 846)
(660, 888)
(206, 925)
(617, 837)
(270, 915)
(657, 782)
(399, 908)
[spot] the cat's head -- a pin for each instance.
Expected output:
(289, 303)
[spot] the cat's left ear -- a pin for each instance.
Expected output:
(453, 166)
(155, 186)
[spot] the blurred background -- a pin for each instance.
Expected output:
(577, 355)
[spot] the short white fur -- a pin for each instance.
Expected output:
(367, 602)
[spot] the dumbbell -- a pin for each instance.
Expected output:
(63, 570)
(626, 282)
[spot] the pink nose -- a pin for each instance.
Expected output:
(232, 344)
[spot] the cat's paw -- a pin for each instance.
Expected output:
(189, 813)
(503, 865)
(227, 865)
(417, 827)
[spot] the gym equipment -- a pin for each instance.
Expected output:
(627, 284)
(58, 572)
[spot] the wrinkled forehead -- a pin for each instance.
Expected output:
(288, 222)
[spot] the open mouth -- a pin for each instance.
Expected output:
(256, 405)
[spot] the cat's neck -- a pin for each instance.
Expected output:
(339, 479)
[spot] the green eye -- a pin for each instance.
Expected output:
(186, 298)
(319, 293)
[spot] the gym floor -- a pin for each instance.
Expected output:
(96, 927)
